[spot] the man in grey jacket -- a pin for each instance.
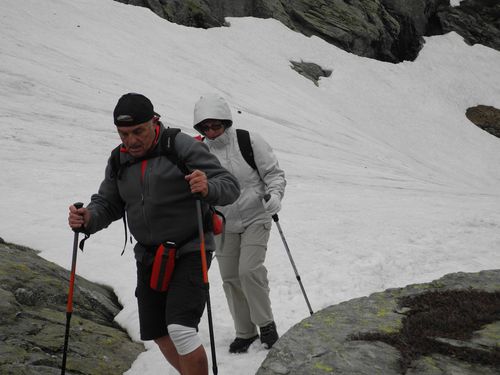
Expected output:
(242, 254)
(159, 202)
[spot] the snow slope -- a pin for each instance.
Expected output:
(388, 182)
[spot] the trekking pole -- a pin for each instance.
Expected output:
(297, 276)
(69, 305)
(204, 270)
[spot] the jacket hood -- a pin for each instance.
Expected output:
(211, 106)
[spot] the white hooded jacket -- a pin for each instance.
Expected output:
(254, 184)
(268, 178)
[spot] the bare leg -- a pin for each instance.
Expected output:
(194, 363)
(169, 352)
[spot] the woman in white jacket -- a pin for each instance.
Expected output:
(248, 223)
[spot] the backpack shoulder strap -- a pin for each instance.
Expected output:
(115, 162)
(167, 148)
(167, 140)
(245, 144)
(116, 168)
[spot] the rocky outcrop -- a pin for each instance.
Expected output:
(387, 30)
(451, 325)
(33, 296)
(310, 70)
(477, 21)
(486, 117)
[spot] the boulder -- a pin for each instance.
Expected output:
(450, 325)
(486, 117)
(310, 70)
(33, 297)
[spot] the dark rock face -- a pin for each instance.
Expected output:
(415, 19)
(363, 27)
(33, 296)
(194, 13)
(477, 21)
(387, 30)
(485, 117)
(451, 325)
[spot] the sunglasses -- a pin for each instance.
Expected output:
(211, 126)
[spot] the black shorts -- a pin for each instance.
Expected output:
(183, 303)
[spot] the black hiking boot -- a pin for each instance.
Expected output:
(240, 345)
(269, 335)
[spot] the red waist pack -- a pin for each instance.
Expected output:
(217, 224)
(163, 267)
(218, 221)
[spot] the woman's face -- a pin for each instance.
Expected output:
(212, 128)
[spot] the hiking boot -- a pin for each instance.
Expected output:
(240, 345)
(269, 335)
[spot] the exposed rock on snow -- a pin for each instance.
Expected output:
(33, 296)
(454, 323)
(486, 117)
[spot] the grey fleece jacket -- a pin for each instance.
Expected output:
(159, 205)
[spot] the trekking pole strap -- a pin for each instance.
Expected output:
(79, 205)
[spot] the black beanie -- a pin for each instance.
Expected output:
(133, 109)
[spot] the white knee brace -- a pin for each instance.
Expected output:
(185, 339)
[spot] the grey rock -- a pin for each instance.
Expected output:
(33, 296)
(311, 71)
(155, 5)
(328, 342)
(485, 117)
(459, 344)
(442, 365)
(26, 297)
(489, 335)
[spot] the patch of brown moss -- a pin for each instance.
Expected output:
(436, 317)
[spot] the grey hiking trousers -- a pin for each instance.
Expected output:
(244, 277)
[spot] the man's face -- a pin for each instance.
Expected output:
(138, 139)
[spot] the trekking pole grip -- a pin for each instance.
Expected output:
(275, 216)
(77, 205)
